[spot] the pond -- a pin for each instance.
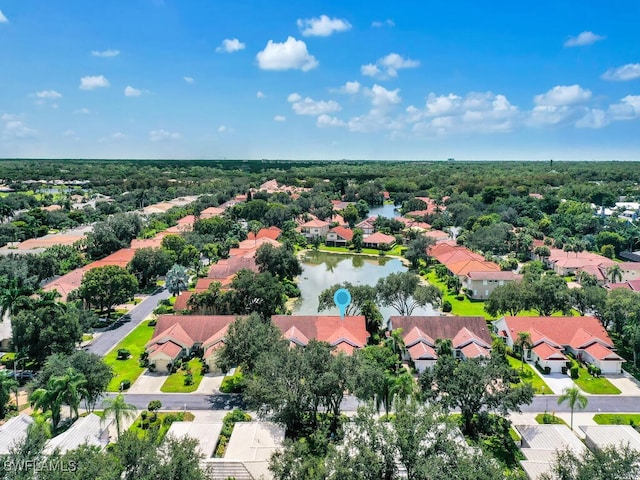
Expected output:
(386, 210)
(321, 270)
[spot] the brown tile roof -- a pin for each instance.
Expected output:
(182, 300)
(49, 241)
(443, 327)
(315, 224)
(211, 212)
(230, 266)
(561, 330)
(155, 242)
(120, 258)
(66, 283)
(325, 327)
(188, 220)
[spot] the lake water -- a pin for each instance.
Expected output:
(388, 211)
(321, 270)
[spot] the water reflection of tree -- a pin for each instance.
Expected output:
(357, 261)
(332, 262)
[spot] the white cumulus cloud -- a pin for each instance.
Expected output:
(388, 66)
(309, 106)
(322, 26)
(594, 118)
(14, 128)
(630, 71)
(279, 118)
(381, 97)
(259, 94)
(129, 91)
(325, 121)
(561, 95)
(386, 23)
(91, 82)
(289, 55)
(230, 45)
(189, 79)
(160, 135)
(105, 53)
(3, 19)
(350, 87)
(48, 94)
(627, 109)
(294, 97)
(583, 39)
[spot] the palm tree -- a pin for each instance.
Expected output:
(48, 399)
(523, 342)
(614, 272)
(574, 397)
(71, 388)
(177, 280)
(120, 409)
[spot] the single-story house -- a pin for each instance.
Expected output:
(470, 337)
(345, 334)
(177, 336)
(607, 436)
(480, 284)
(339, 237)
(90, 430)
(554, 337)
(379, 240)
(633, 285)
(13, 431)
(630, 271)
(206, 434)
(211, 212)
(272, 232)
(314, 228)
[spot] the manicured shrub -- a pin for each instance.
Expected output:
(125, 384)
(123, 354)
(234, 383)
(446, 306)
(574, 372)
(188, 379)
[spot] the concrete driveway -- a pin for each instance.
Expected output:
(626, 383)
(210, 384)
(558, 382)
(148, 382)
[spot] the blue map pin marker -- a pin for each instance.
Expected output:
(342, 299)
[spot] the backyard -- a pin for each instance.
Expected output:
(175, 382)
(130, 368)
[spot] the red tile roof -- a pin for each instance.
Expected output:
(199, 327)
(422, 351)
(415, 335)
(494, 275)
(473, 350)
(559, 329)
(272, 232)
(546, 352)
(601, 352)
(175, 333)
(169, 348)
(379, 238)
(325, 327)
(343, 232)
(315, 224)
(230, 266)
(466, 266)
(443, 327)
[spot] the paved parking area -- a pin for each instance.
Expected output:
(148, 383)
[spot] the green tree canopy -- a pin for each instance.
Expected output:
(105, 287)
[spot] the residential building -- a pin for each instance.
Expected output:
(272, 232)
(177, 336)
(13, 432)
(89, 430)
(367, 226)
(314, 228)
(470, 337)
(339, 237)
(379, 240)
(480, 284)
(345, 334)
(554, 337)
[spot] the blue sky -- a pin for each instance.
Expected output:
(320, 79)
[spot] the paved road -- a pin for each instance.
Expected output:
(177, 401)
(109, 339)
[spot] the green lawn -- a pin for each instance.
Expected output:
(175, 381)
(464, 307)
(617, 418)
(129, 368)
(161, 422)
(530, 376)
(595, 385)
(550, 419)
